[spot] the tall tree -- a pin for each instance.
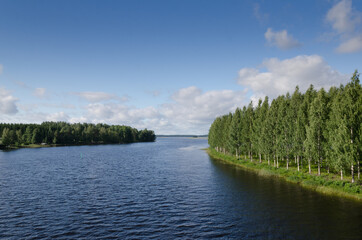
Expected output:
(235, 133)
(316, 137)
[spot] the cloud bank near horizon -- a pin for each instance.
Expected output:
(189, 110)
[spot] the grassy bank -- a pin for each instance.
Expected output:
(326, 183)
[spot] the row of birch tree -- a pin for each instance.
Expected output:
(311, 130)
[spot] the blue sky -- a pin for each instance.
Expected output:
(171, 66)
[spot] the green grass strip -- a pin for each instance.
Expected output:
(326, 183)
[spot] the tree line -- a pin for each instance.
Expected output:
(68, 134)
(316, 129)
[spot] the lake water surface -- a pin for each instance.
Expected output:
(164, 190)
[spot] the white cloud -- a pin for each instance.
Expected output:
(189, 111)
(39, 92)
(281, 39)
(346, 22)
(342, 17)
(7, 102)
(262, 17)
(282, 76)
(194, 111)
(351, 45)
(59, 116)
(98, 96)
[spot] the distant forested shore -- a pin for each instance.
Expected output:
(315, 132)
(15, 135)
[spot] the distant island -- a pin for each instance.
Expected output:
(62, 133)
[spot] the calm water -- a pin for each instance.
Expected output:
(164, 190)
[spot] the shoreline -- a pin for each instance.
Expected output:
(321, 184)
(60, 145)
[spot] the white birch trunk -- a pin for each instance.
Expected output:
(341, 174)
(319, 167)
(274, 160)
(310, 170)
(352, 173)
(298, 162)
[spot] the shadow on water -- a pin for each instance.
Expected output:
(285, 210)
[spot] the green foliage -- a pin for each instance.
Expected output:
(325, 128)
(69, 134)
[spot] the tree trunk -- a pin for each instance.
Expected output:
(341, 174)
(295, 159)
(298, 162)
(358, 171)
(236, 153)
(251, 156)
(328, 169)
(287, 162)
(319, 167)
(268, 160)
(274, 160)
(352, 173)
(260, 157)
(277, 161)
(310, 170)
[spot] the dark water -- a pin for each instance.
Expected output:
(164, 190)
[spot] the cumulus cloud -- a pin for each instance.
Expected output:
(190, 111)
(346, 22)
(351, 45)
(342, 17)
(98, 96)
(281, 76)
(39, 92)
(281, 39)
(196, 106)
(59, 116)
(7, 102)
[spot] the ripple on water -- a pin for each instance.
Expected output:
(163, 190)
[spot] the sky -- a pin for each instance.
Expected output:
(170, 66)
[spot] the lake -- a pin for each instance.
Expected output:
(164, 190)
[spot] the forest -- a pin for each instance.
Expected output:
(62, 133)
(313, 130)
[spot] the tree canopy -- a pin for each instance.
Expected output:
(69, 134)
(320, 128)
